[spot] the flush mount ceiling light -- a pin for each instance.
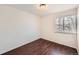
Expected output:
(41, 6)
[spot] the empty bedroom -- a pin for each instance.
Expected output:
(39, 29)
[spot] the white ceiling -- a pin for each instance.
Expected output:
(52, 8)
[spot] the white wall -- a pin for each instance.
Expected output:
(49, 33)
(78, 28)
(16, 28)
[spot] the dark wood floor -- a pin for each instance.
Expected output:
(43, 47)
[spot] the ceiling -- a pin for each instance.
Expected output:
(52, 8)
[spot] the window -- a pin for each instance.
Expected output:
(66, 24)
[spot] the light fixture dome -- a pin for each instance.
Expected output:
(41, 6)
